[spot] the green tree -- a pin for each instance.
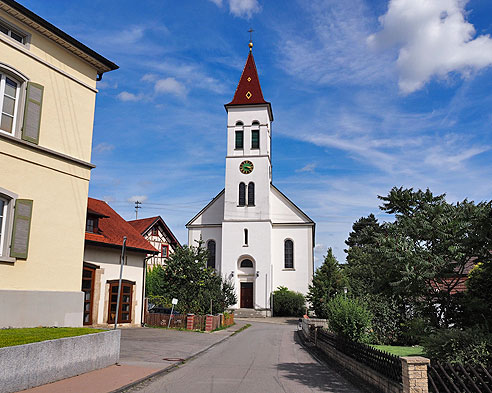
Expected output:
(430, 243)
(328, 280)
(187, 278)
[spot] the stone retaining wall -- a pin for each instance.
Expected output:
(414, 368)
(26, 366)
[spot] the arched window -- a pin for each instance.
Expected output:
(288, 254)
(251, 194)
(211, 254)
(246, 263)
(242, 194)
(245, 237)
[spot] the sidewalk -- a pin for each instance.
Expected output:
(145, 352)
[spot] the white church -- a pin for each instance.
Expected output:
(256, 236)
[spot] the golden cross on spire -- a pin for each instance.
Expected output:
(250, 31)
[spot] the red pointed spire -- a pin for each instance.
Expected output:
(248, 90)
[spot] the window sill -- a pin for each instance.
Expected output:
(7, 259)
(289, 269)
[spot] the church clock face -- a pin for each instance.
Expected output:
(246, 167)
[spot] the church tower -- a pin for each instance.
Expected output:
(256, 236)
(248, 160)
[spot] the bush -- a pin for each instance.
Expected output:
(471, 346)
(288, 303)
(349, 318)
(386, 319)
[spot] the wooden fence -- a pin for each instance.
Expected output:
(458, 378)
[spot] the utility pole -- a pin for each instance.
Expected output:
(137, 206)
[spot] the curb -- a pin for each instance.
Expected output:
(171, 367)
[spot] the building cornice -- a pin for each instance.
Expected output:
(26, 52)
(42, 26)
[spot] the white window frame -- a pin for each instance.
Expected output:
(7, 224)
(26, 37)
(21, 80)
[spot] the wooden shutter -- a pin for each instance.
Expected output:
(32, 112)
(21, 229)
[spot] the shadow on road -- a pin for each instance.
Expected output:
(316, 376)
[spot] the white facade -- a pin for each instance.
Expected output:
(271, 221)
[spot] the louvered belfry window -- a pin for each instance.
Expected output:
(255, 139)
(239, 139)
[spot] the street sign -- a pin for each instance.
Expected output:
(174, 301)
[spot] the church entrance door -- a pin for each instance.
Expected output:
(246, 295)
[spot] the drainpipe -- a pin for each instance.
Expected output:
(143, 289)
(99, 76)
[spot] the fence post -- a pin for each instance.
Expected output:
(316, 335)
(190, 318)
(209, 323)
(414, 374)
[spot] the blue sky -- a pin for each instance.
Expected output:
(366, 95)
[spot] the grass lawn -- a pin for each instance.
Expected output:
(401, 351)
(11, 337)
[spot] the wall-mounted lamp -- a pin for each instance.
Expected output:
(257, 273)
(232, 273)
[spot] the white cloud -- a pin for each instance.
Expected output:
(140, 198)
(241, 8)
(149, 78)
(193, 74)
(334, 49)
(434, 39)
(307, 168)
(126, 96)
(244, 8)
(171, 86)
(103, 147)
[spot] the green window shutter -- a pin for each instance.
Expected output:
(255, 139)
(21, 229)
(239, 139)
(32, 112)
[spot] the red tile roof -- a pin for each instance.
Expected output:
(113, 228)
(248, 90)
(144, 224)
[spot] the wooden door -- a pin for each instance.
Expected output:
(125, 311)
(246, 295)
(88, 289)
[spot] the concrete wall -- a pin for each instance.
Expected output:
(26, 366)
(40, 308)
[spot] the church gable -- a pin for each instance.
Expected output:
(283, 210)
(212, 214)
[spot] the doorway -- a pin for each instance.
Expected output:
(125, 311)
(88, 289)
(246, 295)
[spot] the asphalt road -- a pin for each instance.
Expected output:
(263, 358)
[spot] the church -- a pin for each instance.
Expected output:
(255, 235)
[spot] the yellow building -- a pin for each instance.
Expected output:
(47, 98)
